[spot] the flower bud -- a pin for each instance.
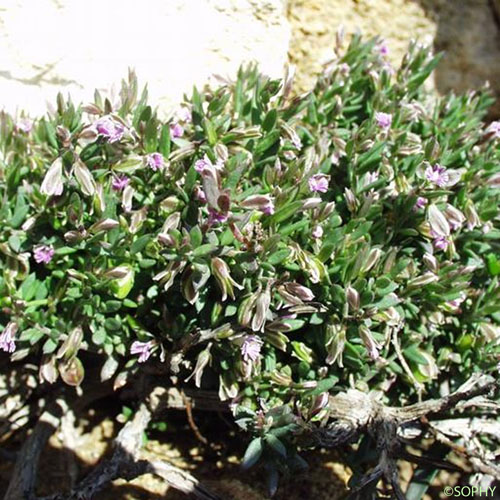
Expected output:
(203, 359)
(431, 262)
(437, 221)
(373, 258)
(261, 310)
(352, 296)
(454, 216)
(494, 181)
(103, 225)
(137, 219)
(52, 184)
(127, 198)
(335, 343)
(351, 201)
(310, 203)
(299, 291)
(423, 280)
(84, 178)
(226, 283)
(372, 346)
(117, 272)
(471, 215)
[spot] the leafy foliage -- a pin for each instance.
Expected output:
(348, 237)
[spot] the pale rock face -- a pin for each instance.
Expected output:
(48, 46)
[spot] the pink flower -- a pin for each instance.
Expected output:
(317, 232)
(205, 162)
(176, 130)
(25, 125)
(384, 120)
(251, 347)
(155, 161)
(494, 129)
(120, 182)
(7, 341)
(143, 349)
(318, 183)
(420, 203)
(200, 195)
(43, 253)
(214, 216)
(109, 128)
(437, 175)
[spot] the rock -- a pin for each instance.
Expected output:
(49, 46)
(467, 31)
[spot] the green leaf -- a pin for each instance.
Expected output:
(204, 250)
(324, 386)
(279, 256)
(252, 453)
(413, 354)
(112, 324)
(20, 211)
(139, 244)
(286, 212)
(99, 336)
(276, 444)
(164, 144)
(270, 120)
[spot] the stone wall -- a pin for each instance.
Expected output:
(78, 45)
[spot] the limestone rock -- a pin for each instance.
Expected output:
(47, 46)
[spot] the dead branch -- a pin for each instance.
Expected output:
(22, 483)
(353, 413)
(126, 462)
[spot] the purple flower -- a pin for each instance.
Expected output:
(250, 349)
(437, 175)
(384, 120)
(43, 253)
(440, 242)
(143, 349)
(120, 182)
(110, 128)
(494, 129)
(383, 49)
(318, 183)
(25, 125)
(7, 341)
(176, 130)
(420, 203)
(155, 161)
(268, 209)
(214, 216)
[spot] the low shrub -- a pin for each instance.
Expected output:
(275, 249)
